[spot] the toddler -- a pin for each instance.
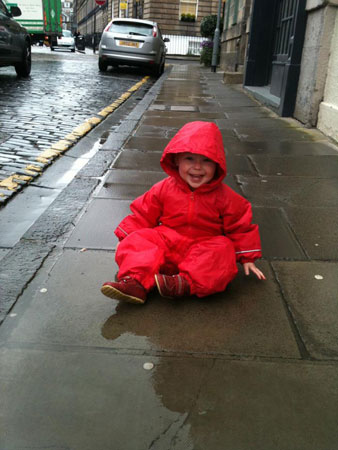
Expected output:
(187, 232)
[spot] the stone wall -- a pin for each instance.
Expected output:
(328, 110)
(167, 15)
(315, 60)
(235, 36)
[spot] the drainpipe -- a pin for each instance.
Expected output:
(216, 39)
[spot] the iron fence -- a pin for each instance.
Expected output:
(183, 45)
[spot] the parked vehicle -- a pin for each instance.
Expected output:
(67, 40)
(132, 42)
(41, 18)
(15, 45)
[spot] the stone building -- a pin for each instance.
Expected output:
(286, 53)
(317, 94)
(175, 17)
(234, 37)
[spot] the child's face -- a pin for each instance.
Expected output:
(195, 169)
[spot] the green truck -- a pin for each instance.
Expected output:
(41, 18)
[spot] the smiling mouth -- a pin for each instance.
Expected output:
(196, 178)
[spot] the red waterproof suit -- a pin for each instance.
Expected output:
(202, 232)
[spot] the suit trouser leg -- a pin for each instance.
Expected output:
(209, 265)
(140, 256)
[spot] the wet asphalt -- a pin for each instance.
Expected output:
(253, 367)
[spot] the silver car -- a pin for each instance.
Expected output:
(15, 45)
(132, 42)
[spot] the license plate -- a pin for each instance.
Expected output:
(129, 44)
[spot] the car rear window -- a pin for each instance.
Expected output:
(131, 28)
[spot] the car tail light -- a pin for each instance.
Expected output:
(154, 32)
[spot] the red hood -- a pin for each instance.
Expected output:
(203, 138)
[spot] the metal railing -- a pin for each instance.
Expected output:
(183, 45)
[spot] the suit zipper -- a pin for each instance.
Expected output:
(191, 208)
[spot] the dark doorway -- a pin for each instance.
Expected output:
(275, 51)
(283, 41)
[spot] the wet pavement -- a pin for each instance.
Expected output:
(253, 367)
(63, 92)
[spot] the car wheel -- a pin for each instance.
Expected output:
(23, 68)
(52, 49)
(102, 65)
(73, 50)
(159, 69)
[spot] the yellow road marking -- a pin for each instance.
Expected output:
(62, 145)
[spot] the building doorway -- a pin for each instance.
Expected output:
(274, 52)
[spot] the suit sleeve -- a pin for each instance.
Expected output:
(146, 212)
(238, 227)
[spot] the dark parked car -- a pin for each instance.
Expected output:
(132, 42)
(15, 46)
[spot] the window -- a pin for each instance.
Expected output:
(131, 27)
(188, 7)
(3, 9)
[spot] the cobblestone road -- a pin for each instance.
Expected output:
(64, 91)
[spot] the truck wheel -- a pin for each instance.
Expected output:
(102, 65)
(23, 68)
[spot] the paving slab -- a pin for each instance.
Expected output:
(177, 405)
(92, 231)
(183, 109)
(122, 191)
(147, 143)
(240, 165)
(152, 131)
(231, 181)
(235, 100)
(317, 230)
(261, 134)
(252, 122)
(252, 112)
(129, 176)
(278, 239)
(184, 98)
(174, 122)
(211, 107)
(290, 191)
(80, 315)
(310, 289)
(267, 406)
(133, 159)
(77, 400)
(281, 148)
(190, 116)
(321, 166)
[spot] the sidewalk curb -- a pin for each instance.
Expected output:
(20, 264)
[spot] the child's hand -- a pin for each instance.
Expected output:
(251, 267)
